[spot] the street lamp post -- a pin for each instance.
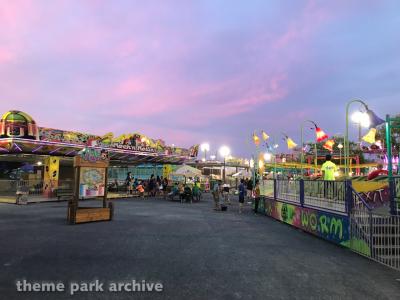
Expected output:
(366, 119)
(205, 147)
(340, 146)
(274, 148)
(224, 151)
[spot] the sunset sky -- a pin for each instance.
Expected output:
(194, 71)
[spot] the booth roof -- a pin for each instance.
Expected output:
(25, 146)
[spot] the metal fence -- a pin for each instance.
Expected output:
(287, 190)
(396, 193)
(267, 188)
(325, 194)
(374, 235)
(360, 225)
(12, 187)
(33, 188)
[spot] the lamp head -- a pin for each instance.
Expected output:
(361, 118)
(205, 147)
(251, 163)
(321, 135)
(374, 120)
(267, 156)
(224, 151)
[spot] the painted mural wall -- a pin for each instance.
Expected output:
(332, 227)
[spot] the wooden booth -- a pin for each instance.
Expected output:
(90, 167)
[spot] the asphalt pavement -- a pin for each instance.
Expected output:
(190, 250)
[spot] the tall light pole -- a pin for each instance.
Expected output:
(205, 147)
(366, 119)
(275, 147)
(224, 151)
(340, 146)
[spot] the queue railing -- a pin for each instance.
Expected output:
(395, 194)
(330, 195)
(287, 190)
(319, 194)
(375, 235)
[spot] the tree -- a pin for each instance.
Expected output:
(354, 148)
(395, 134)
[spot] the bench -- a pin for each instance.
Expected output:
(64, 193)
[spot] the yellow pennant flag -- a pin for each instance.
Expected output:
(370, 136)
(256, 139)
(290, 143)
(264, 135)
(329, 145)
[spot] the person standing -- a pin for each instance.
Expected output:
(242, 192)
(329, 169)
(165, 187)
(207, 185)
(140, 189)
(249, 188)
(152, 186)
(128, 183)
(158, 185)
(256, 197)
(328, 174)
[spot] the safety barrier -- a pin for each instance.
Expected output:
(329, 195)
(374, 235)
(33, 188)
(317, 194)
(287, 190)
(396, 194)
(336, 212)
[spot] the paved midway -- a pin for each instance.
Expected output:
(194, 252)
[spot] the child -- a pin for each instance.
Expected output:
(140, 189)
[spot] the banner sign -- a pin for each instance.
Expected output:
(92, 182)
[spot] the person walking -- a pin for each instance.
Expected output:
(256, 197)
(216, 192)
(242, 193)
(225, 191)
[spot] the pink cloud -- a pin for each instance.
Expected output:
(308, 22)
(129, 87)
(6, 56)
(126, 48)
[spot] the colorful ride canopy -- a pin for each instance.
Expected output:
(19, 133)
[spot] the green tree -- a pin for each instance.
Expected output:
(354, 148)
(395, 134)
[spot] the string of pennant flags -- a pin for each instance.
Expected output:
(321, 136)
